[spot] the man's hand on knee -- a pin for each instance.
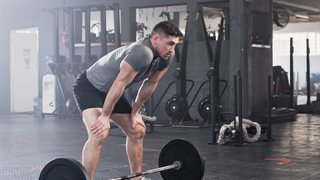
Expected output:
(137, 120)
(100, 125)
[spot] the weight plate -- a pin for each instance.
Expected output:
(173, 108)
(64, 169)
(204, 107)
(182, 150)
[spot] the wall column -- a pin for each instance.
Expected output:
(240, 50)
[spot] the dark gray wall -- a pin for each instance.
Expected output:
(236, 52)
(261, 67)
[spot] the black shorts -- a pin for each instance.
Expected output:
(87, 96)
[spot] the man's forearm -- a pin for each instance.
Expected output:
(112, 98)
(144, 93)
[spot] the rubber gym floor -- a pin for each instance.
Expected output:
(28, 143)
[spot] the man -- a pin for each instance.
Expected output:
(99, 92)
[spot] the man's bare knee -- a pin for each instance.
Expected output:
(137, 134)
(99, 139)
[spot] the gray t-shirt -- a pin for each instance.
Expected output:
(138, 54)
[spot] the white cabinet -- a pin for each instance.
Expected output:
(49, 94)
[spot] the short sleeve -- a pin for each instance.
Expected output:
(139, 57)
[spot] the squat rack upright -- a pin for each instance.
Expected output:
(73, 33)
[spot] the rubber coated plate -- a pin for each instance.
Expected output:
(176, 106)
(64, 169)
(204, 107)
(191, 158)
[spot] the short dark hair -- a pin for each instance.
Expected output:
(167, 28)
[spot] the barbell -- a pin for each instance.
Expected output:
(178, 159)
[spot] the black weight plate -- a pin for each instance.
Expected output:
(191, 158)
(175, 106)
(204, 107)
(64, 169)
